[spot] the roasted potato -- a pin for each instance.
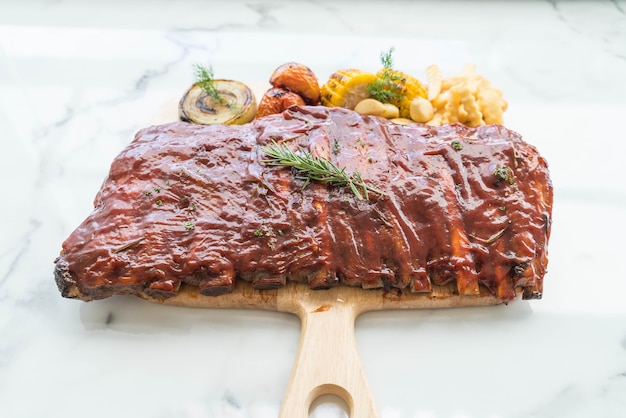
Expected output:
(299, 79)
(276, 100)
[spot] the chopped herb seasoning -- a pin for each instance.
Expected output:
(504, 174)
(189, 226)
(457, 145)
(159, 202)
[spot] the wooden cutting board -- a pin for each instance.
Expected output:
(327, 361)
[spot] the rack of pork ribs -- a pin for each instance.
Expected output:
(200, 207)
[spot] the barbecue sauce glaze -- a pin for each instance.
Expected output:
(197, 204)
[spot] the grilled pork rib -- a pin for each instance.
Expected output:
(198, 204)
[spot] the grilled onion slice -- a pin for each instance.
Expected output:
(236, 104)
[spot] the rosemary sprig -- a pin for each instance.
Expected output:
(315, 168)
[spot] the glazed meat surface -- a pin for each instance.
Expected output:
(199, 205)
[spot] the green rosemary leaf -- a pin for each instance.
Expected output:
(314, 168)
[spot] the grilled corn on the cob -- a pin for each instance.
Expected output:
(346, 88)
(398, 88)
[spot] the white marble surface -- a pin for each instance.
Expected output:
(79, 78)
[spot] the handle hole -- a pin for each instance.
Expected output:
(329, 406)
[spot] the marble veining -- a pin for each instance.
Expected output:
(78, 79)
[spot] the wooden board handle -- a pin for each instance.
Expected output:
(327, 361)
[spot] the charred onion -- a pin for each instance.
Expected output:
(233, 103)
